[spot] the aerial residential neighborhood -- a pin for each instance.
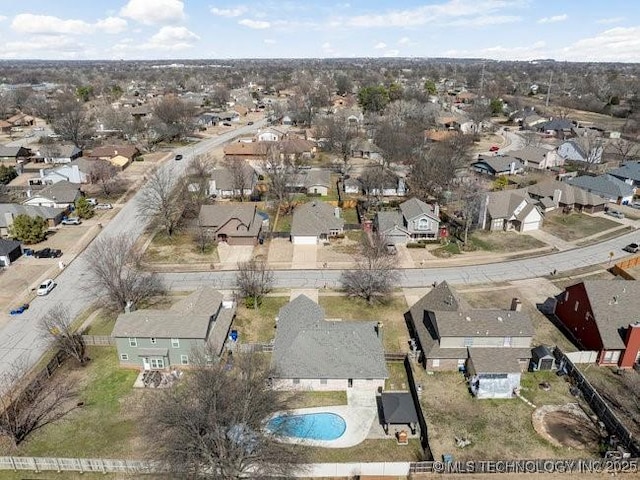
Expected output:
(230, 250)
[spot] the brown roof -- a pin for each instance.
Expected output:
(108, 151)
(255, 149)
(439, 135)
(295, 146)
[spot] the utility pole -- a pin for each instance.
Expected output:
(549, 89)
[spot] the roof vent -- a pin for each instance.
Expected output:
(468, 319)
(499, 319)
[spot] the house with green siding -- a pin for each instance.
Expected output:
(160, 339)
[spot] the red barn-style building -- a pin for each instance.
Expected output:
(604, 316)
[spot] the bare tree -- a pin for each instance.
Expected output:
(472, 199)
(161, 200)
(254, 280)
(212, 426)
(196, 193)
(592, 148)
(25, 409)
(114, 273)
(280, 173)
(174, 118)
(625, 150)
(337, 135)
(201, 236)
(71, 120)
(240, 176)
(103, 173)
(374, 275)
(56, 327)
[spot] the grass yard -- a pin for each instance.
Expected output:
(103, 323)
(395, 336)
(180, 248)
(576, 226)
(606, 236)
(397, 377)
(284, 223)
(505, 242)
(319, 399)
(498, 429)
(258, 326)
(350, 215)
(106, 425)
(446, 251)
(557, 395)
(368, 451)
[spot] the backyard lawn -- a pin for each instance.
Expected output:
(395, 336)
(258, 326)
(180, 248)
(576, 226)
(319, 399)
(397, 377)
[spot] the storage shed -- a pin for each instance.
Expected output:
(542, 359)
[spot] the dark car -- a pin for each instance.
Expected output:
(226, 124)
(249, 123)
(178, 157)
(632, 248)
(47, 253)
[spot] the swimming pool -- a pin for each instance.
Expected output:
(310, 426)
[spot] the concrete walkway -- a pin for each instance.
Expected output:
(551, 240)
(312, 293)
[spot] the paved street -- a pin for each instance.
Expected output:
(19, 342)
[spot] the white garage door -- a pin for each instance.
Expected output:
(300, 240)
(528, 226)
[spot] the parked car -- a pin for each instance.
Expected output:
(48, 253)
(92, 201)
(45, 287)
(19, 310)
(632, 248)
(103, 206)
(249, 123)
(494, 148)
(226, 124)
(71, 221)
(178, 157)
(615, 213)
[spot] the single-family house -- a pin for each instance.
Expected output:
(59, 195)
(537, 158)
(119, 155)
(315, 221)
(69, 172)
(414, 220)
(446, 331)
(352, 185)
(602, 315)
(8, 211)
(498, 165)
(56, 153)
(558, 127)
(312, 182)
(10, 251)
(246, 150)
(296, 148)
(361, 148)
(233, 223)
(21, 120)
(563, 195)
(5, 127)
(227, 183)
(313, 353)
(628, 172)
(161, 339)
(208, 119)
(386, 183)
(270, 135)
(582, 149)
(606, 186)
(510, 210)
(14, 154)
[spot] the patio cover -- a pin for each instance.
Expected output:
(398, 408)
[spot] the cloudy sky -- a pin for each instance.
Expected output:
(574, 30)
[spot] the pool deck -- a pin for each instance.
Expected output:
(359, 414)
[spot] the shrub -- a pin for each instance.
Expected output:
(416, 245)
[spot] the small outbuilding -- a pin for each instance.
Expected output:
(10, 251)
(542, 359)
(493, 372)
(398, 409)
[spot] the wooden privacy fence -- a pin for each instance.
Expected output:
(598, 405)
(622, 267)
(98, 340)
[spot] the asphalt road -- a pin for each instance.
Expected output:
(20, 344)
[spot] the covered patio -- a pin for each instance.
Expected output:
(398, 409)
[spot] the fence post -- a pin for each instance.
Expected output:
(13, 464)
(35, 465)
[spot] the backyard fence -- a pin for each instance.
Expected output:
(622, 267)
(583, 356)
(415, 394)
(605, 414)
(98, 340)
(252, 347)
(41, 464)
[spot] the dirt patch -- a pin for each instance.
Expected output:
(566, 426)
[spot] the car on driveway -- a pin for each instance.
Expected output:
(178, 157)
(103, 206)
(249, 123)
(615, 213)
(494, 148)
(632, 248)
(71, 221)
(45, 287)
(47, 253)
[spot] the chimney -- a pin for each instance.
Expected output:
(129, 307)
(512, 168)
(115, 153)
(557, 195)
(336, 212)
(436, 210)
(379, 330)
(516, 305)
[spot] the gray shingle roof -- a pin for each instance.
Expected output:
(315, 218)
(58, 151)
(484, 323)
(8, 246)
(499, 163)
(217, 215)
(188, 318)
(33, 211)
(308, 346)
(224, 177)
(61, 192)
(387, 220)
(502, 204)
(612, 315)
(556, 124)
(604, 185)
(414, 207)
(570, 195)
(497, 360)
(630, 170)
(7, 151)
(530, 153)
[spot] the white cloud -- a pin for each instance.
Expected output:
(48, 25)
(55, 46)
(255, 24)
(610, 20)
(380, 46)
(404, 41)
(554, 19)
(484, 20)
(151, 12)
(112, 25)
(171, 38)
(269, 41)
(499, 52)
(3, 18)
(229, 12)
(617, 44)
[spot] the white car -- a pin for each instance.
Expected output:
(103, 206)
(45, 287)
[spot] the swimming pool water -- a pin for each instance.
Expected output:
(311, 426)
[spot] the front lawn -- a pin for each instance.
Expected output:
(103, 323)
(181, 248)
(576, 226)
(505, 242)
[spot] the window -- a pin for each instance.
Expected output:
(152, 340)
(157, 363)
(611, 356)
(323, 381)
(423, 224)
(575, 308)
(184, 359)
(133, 342)
(296, 381)
(468, 341)
(175, 342)
(124, 356)
(506, 342)
(435, 362)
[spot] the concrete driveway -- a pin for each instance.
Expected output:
(304, 256)
(232, 255)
